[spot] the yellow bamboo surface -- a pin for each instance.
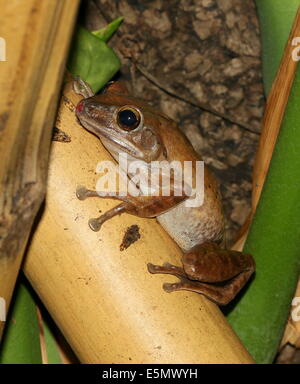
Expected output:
(109, 308)
(37, 34)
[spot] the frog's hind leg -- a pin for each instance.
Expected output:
(217, 273)
(220, 294)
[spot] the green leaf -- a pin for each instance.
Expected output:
(260, 316)
(106, 33)
(92, 59)
(21, 343)
(52, 349)
(275, 19)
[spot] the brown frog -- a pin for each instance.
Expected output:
(125, 124)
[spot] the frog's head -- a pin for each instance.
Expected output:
(123, 124)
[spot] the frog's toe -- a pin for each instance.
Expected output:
(95, 224)
(168, 265)
(153, 268)
(81, 192)
(171, 287)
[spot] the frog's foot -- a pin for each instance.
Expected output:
(220, 294)
(166, 268)
(95, 224)
(83, 193)
(82, 88)
(211, 271)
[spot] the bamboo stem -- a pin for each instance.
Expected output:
(37, 35)
(274, 113)
(106, 303)
(273, 116)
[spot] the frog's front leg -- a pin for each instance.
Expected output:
(82, 88)
(95, 224)
(142, 206)
(211, 271)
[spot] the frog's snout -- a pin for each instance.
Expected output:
(80, 108)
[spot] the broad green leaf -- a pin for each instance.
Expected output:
(21, 343)
(52, 349)
(275, 18)
(260, 316)
(92, 59)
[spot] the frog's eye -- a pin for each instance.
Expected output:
(128, 118)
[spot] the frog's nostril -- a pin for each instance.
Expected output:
(80, 106)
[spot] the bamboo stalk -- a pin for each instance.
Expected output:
(274, 113)
(273, 116)
(37, 34)
(109, 308)
(287, 145)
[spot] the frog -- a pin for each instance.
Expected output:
(127, 124)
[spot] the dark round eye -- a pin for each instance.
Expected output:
(128, 119)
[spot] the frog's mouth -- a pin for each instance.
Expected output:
(109, 136)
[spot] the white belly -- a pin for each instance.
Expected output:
(191, 226)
